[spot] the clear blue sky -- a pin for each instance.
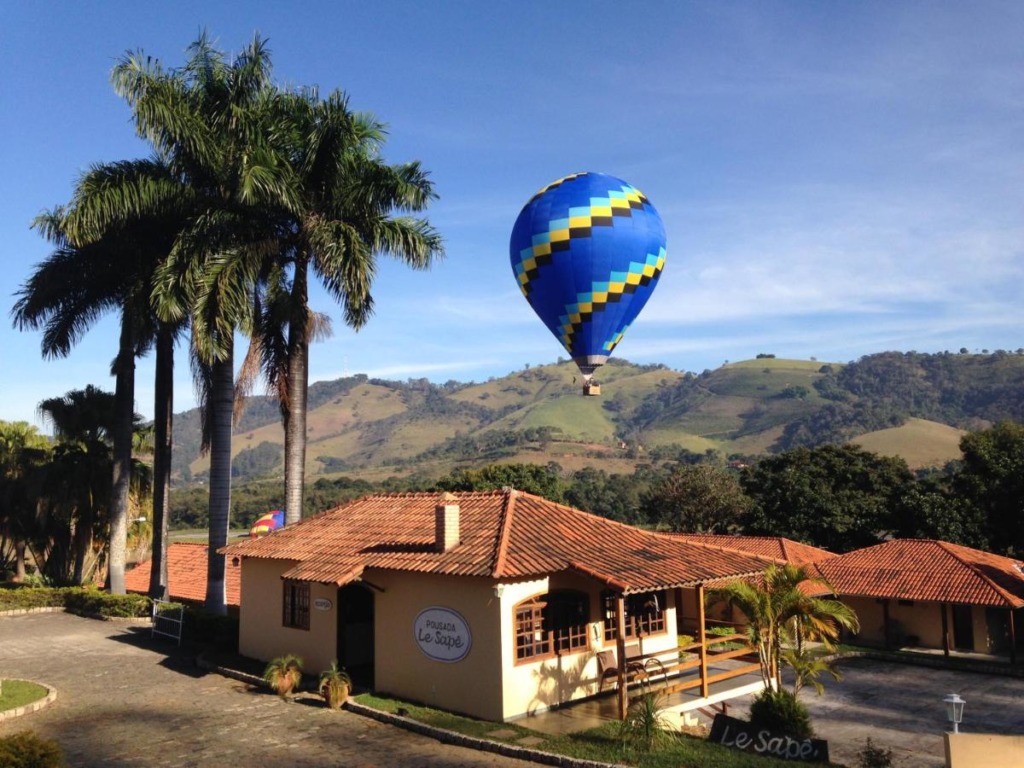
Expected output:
(836, 178)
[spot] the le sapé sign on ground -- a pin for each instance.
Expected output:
(442, 634)
(739, 734)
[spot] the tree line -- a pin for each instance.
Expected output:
(838, 497)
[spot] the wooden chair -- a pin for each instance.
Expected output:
(607, 666)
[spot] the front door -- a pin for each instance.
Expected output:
(355, 633)
(963, 628)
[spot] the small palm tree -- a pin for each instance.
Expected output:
(780, 612)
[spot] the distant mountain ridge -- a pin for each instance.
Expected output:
(909, 404)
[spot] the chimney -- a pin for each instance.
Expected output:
(446, 523)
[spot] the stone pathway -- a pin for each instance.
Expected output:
(124, 700)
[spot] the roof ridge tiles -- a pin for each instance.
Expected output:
(504, 531)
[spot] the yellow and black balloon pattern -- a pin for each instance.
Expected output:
(587, 251)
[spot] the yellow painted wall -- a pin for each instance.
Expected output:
(472, 685)
(261, 634)
(983, 750)
(487, 683)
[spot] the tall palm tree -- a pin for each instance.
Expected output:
(780, 607)
(149, 193)
(66, 294)
(340, 213)
(209, 120)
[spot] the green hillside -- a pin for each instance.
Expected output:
(910, 405)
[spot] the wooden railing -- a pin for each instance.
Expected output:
(674, 671)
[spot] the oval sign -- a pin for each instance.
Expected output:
(442, 634)
(322, 604)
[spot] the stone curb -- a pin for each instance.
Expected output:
(61, 609)
(51, 695)
(483, 745)
(203, 663)
(442, 735)
(25, 611)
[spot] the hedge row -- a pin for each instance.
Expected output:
(87, 601)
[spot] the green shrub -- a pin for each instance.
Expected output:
(17, 597)
(646, 727)
(873, 756)
(26, 750)
(780, 712)
(89, 602)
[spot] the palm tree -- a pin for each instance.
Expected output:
(780, 612)
(149, 192)
(21, 449)
(340, 211)
(209, 121)
(79, 486)
(66, 294)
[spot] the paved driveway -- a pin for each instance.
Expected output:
(122, 702)
(900, 707)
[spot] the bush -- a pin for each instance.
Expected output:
(89, 602)
(86, 601)
(780, 712)
(646, 727)
(16, 597)
(873, 756)
(26, 750)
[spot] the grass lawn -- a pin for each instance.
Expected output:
(18, 693)
(602, 744)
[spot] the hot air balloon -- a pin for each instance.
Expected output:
(587, 251)
(267, 523)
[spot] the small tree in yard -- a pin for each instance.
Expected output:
(781, 613)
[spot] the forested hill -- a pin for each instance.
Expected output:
(908, 404)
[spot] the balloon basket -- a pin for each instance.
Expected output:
(591, 389)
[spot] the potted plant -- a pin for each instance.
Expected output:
(334, 685)
(283, 674)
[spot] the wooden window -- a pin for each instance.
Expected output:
(567, 616)
(296, 605)
(645, 614)
(531, 639)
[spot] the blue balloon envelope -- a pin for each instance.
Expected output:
(587, 251)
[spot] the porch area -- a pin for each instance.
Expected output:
(701, 677)
(682, 703)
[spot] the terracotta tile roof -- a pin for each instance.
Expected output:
(186, 575)
(772, 547)
(923, 569)
(503, 535)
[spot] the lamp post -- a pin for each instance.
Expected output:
(954, 710)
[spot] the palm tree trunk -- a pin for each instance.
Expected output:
(124, 412)
(19, 560)
(81, 544)
(163, 423)
(295, 410)
(221, 405)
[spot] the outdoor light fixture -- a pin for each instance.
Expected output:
(499, 590)
(954, 710)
